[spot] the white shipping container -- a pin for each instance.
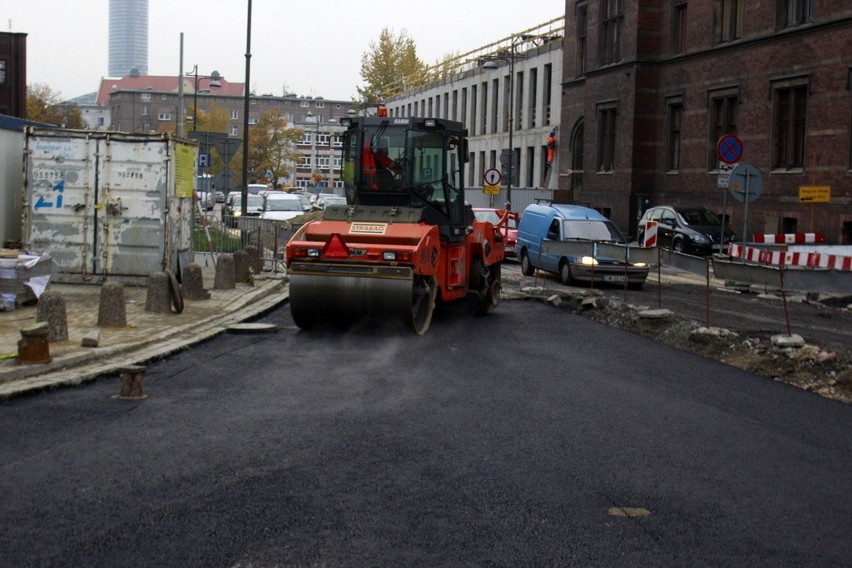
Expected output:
(108, 205)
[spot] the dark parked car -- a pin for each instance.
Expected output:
(691, 230)
(233, 207)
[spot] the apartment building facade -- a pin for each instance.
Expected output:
(651, 86)
(151, 104)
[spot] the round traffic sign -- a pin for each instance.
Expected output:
(729, 149)
(492, 177)
(746, 182)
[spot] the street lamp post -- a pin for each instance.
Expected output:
(214, 84)
(315, 149)
(490, 64)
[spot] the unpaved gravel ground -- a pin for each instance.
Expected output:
(732, 324)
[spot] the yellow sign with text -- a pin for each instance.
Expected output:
(185, 157)
(491, 189)
(814, 193)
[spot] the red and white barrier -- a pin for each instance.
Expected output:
(834, 261)
(790, 238)
(649, 237)
(787, 258)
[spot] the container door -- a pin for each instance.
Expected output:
(131, 207)
(59, 212)
(97, 204)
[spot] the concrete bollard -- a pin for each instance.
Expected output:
(225, 276)
(255, 259)
(131, 383)
(51, 309)
(193, 283)
(112, 310)
(158, 299)
(241, 266)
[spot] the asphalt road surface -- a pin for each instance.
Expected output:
(529, 437)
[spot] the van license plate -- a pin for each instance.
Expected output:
(614, 278)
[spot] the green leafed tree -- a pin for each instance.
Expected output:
(46, 105)
(391, 66)
(272, 147)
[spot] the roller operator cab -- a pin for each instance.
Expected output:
(405, 238)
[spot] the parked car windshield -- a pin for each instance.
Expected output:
(699, 217)
(252, 201)
(283, 205)
(592, 230)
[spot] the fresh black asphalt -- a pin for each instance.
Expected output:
(529, 437)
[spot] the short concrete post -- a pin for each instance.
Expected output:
(158, 299)
(33, 346)
(112, 310)
(241, 266)
(193, 283)
(225, 275)
(255, 259)
(51, 309)
(131, 383)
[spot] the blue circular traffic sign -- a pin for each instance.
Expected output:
(729, 149)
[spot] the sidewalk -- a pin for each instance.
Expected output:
(147, 335)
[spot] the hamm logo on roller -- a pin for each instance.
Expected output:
(368, 228)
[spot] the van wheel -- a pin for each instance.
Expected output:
(527, 269)
(565, 273)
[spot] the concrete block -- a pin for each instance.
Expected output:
(193, 283)
(158, 299)
(51, 309)
(112, 310)
(225, 278)
(241, 266)
(91, 339)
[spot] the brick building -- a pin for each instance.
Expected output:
(650, 86)
(13, 74)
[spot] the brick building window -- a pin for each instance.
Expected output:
(606, 138)
(789, 111)
(678, 28)
(729, 20)
(723, 120)
(582, 15)
(794, 12)
(612, 16)
(674, 116)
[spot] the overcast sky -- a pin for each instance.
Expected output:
(309, 48)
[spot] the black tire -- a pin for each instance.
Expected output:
(527, 269)
(679, 246)
(488, 286)
(565, 273)
(423, 295)
(175, 292)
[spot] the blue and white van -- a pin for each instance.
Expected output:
(575, 243)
